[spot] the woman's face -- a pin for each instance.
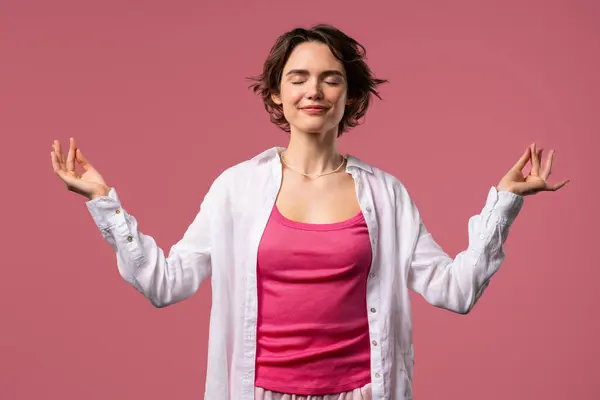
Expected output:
(313, 89)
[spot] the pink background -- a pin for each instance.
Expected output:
(155, 93)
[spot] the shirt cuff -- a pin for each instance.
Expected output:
(105, 210)
(505, 204)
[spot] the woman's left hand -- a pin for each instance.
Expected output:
(537, 181)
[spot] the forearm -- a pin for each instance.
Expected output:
(456, 284)
(162, 279)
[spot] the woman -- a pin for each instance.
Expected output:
(311, 253)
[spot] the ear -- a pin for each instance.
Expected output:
(276, 99)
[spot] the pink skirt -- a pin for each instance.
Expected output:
(363, 393)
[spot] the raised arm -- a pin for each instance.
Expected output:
(456, 284)
(163, 279)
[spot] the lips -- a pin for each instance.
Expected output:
(315, 107)
(317, 110)
(314, 110)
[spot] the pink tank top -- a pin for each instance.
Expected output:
(312, 328)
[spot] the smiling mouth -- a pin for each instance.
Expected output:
(314, 108)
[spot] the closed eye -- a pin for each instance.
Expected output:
(329, 83)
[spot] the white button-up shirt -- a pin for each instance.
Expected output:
(222, 243)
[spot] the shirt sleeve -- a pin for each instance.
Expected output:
(162, 279)
(456, 284)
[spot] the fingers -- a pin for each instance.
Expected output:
(58, 162)
(55, 163)
(61, 155)
(71, 156)
(58, 167)
(548, 166)
(535, 161)
(547, 170)
(58, 152)
(523, 160)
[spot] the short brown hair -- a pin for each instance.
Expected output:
(361, 82)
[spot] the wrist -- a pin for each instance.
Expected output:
(504, 188)
(100, 193)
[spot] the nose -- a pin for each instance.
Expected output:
(313, 90)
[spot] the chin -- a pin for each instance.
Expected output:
(315, 126)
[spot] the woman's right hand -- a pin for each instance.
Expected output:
(89, 184)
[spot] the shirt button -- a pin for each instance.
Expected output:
(372, 275)
(374, 342)
(368, 209)
(482, 236)
(129, 238)
(377, 375)
(373, 310)
(118, 212)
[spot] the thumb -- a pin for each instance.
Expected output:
(81, 160)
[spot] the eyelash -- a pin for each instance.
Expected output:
(329, 83)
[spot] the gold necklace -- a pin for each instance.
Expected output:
(313, 176)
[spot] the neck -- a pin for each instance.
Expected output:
(313, 153)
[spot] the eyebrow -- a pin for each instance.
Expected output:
(305, 72)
